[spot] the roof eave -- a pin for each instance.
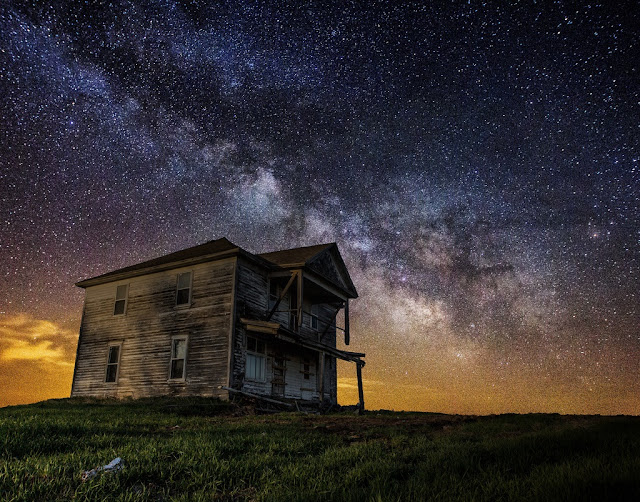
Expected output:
(114, 277)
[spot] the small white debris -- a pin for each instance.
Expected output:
(113, 466)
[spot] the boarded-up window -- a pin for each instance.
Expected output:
(178, 358)
(183, 294)
(120, 306)
(255, 365)
(113, 361)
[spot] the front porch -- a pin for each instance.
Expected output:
(296, 367)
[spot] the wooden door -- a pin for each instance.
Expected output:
(279, 373)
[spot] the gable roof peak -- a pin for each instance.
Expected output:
(323, 259)
(296, 256)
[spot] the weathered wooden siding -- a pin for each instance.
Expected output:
(296, 386)
(327, 267)
(252, 301)
(145, 332)
(329, 338)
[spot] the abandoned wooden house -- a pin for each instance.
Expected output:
(214, 319)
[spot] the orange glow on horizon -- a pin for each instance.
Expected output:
(37, 359)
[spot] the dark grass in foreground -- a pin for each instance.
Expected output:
(207, 450)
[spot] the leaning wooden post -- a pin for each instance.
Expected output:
(360, 392)
(284, 292)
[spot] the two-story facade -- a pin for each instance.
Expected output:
(215, 317)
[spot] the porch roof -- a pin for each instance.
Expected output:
(279, 332)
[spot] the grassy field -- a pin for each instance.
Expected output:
(208, 450)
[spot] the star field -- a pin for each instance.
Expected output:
(477, 163)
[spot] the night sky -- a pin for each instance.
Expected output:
(477, 164)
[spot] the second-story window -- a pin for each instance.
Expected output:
(293, 312)
(314, 317)
(183, 294)
(120, 305)
(273, 293)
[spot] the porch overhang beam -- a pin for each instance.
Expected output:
(280, 333)
(313, 276)
(320, 347)
(270, 328)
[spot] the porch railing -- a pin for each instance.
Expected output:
(293, 314)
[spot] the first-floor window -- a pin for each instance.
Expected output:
(113, 361)
(178, 358)
(255, 366)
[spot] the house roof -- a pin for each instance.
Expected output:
(216, 247)
(295, 256)
(312, 258)
(307, 257)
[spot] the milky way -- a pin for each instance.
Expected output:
(478, 165)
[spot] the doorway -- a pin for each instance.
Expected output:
(279, 372)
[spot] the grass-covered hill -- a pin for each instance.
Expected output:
(210, 450)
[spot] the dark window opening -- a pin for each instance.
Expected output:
(178, 358)
(113, 360)
(121, 300)
(255, 345)
(183, 296)
(273, 293)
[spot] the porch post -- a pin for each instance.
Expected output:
(360, 392)
(321, 363)
(346, 322)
